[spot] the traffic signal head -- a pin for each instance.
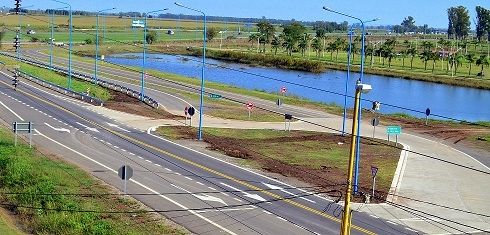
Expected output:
(17, 7)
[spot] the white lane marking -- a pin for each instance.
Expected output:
(5, 106)
(275, 187)
(237, 199)
(233, 165)
(189, 178)
(391, 222)
(253, 196)
(131, 154)
(156, 164)
(197, 182)
(168, 169)
(57, 129)
(148, 160)
(117, 127)
(376, 217)
(88, 128)
(144, 186)
(212, 188)
(116, 147)
(409, 229)
(266, 212)
(230, 209)
(177, 173)
(224, 194)
(203, 196)
(281, 218)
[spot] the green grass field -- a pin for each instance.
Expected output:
(37, 180)
(61, 80)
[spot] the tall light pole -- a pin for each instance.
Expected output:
(52, 38)
(70, 41)
(199, 132)
(347, 79)
(20, 30)
(144, 54)
(358, 134)
(97, 43)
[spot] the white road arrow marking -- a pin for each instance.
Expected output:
(57, 129)
(203, 196)
(88, 128)
(253, 196)
(275, 187)
(117, 127)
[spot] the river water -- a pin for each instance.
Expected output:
(449, 101)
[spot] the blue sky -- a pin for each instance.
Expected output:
(431, 12)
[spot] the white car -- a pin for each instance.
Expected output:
(30, 31)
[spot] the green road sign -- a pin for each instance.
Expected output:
(215, 96)
(395, 130)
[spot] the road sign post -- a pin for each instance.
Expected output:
(427, 113)
(191, 111)
(287, 120)
(23, 127)
(374, 171)
(374, 122)
(125, 172)
(393, 130)
(250, 106)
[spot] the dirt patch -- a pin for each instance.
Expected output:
(326, 177)
(128, 104)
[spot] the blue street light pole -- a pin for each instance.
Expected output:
(199, 133)
(144, 54)
(52, 38)
(70, 41)
(358, 134)
(97, 43)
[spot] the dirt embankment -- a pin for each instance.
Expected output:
(128, 104)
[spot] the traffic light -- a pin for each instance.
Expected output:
(17, 42)
(376, 105)
(15, 81)
(17, 7)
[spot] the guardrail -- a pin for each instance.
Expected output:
(110, 85)
(60, 89)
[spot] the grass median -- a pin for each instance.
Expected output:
(58, 79)
(319, 159)
(31, 180)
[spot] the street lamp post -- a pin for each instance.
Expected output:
(199, 133)
(70, 41)
(97, 43)
(20, 30)
(358, 134)
(347, 79)
(142, 98)
(52, 38)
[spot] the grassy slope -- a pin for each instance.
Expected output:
(7, 225)
(61, 80)
(24, 170)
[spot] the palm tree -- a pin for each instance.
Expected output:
(434, 56)
(389, 53)
(370, 52)
(459, 61)
(303, 44)
(275, 44)
(320, 34)
(332, 46)
(412, 53)
(403, 54)
(483, 61)
(252, 38)
(339, 45)
(288, 44)
(471, 58)
(425, 56)
(317, 46)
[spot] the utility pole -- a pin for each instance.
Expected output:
(17, 36)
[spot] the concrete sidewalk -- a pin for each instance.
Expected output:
(430, 196)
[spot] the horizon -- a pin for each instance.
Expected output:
(276, 9)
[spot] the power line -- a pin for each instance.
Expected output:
(284, 81)
(436, 216)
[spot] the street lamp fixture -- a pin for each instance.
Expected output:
(199, 132)
(363, 40)
(97, 42)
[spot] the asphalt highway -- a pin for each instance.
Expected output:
(214, 196)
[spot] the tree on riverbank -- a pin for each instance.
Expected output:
(459, 22)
